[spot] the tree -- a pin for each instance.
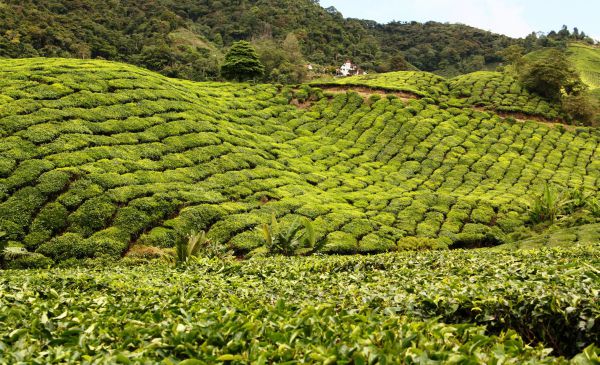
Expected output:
(550, 75)
(283, 61)
(242, 63)
(581, 108)
(513, 55)
(398, 63)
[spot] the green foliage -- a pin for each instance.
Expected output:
(3, 243)
(419, 244)
(440, 306)
(593, 205)
(297, 239)
(69, 245)
(198, 245)
(27, 260)
(550, 75)
(123, 157)
(186, 39)
(548, 206)
(283, 61)
(581, 108)
(242, 63)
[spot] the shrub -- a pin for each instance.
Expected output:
(53, 181)
(100, 245)
(419, 244)
(160, 237)
(92, 215)
(69, 245)
(477, 236)
(341, 243)
(31, 260)
(580, 108)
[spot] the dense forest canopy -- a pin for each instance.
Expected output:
(187, 38)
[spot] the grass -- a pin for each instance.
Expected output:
(435, 307)
(97, 157)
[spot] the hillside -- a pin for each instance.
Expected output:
(97, 157)
(186, 38)
(491, 90)
(586, 59)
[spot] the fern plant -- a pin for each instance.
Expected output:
(13, 253)
(8, 253)
(297, 239)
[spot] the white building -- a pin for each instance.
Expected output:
(350, 69)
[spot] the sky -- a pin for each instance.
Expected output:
(515, 18)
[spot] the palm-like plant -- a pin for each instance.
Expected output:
(198, 244)
(297, 239)
(548, 206)
(191, 247)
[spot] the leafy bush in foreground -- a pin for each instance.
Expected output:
(447, 306)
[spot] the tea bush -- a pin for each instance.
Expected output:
(122, 156)
(439, 306)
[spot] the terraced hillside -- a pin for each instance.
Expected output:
(587, 60)
(96, 157)
(423, 84)
(491, 90)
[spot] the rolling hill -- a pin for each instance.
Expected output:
(586, 60)
(494, 91)
(97, 157)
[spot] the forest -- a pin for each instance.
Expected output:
(188, 39)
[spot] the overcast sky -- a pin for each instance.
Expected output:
(515, 18)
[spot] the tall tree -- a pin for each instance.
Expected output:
(242, 63)
(551, 75)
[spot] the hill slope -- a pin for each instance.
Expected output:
(586, 59)
(98, 156)
(184, 38)
(484, 89)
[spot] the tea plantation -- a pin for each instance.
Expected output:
(104, 165)
(439, 307)
(97, 157)
(493, 91)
